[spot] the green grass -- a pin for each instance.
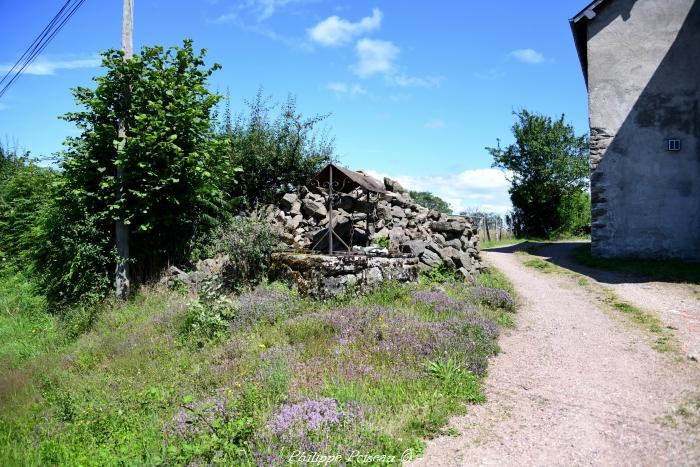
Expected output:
(541, 265)
(26, 329)
(662, 338)
(663, 270)
(486, 244)
(112, 394)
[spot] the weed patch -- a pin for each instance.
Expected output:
(249, 379)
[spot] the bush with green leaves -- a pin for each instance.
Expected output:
(174, 168)
(25, 189)
(276, 155)
(248, 243)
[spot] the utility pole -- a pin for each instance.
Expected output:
(122, 273)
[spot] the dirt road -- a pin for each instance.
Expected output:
(575, 384)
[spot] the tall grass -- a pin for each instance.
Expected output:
(373, 375)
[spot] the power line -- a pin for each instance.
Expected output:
(69, 8)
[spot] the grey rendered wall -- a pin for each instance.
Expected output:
(644, 88)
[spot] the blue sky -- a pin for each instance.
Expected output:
(416, 89)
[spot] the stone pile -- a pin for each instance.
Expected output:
(395, 218)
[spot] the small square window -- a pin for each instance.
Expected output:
(674, 145)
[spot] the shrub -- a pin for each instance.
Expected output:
(209, 316)
(74, 256)
(248, 244)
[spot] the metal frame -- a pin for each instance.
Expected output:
(330, 233)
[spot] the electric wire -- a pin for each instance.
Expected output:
(66, 12)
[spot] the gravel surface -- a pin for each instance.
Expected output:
(677, 305)
(574, 385)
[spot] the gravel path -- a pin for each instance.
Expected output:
(678, 305)
(574, 385)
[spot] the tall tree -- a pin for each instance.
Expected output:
(548, 164)
(174, 165)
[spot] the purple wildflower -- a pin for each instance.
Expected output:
(497, 298)
(263, 303)
(308, 416)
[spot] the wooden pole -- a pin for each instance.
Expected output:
(122, 273)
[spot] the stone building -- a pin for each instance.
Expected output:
(641, 64)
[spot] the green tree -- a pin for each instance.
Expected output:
(276, 154)
(431, 201)
(175, 170)
(24, 191)
(548, 164)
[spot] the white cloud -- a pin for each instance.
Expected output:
(267, 8)
(406, 81)
(335, 31)
(435, 123)
(345, 88)
(225, 18)
(375, 56)
(44, 66)
(486, 189)
(528, 56)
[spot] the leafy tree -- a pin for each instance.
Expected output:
(24, 190)
(276, 155)
(175, 169)
(548, 164)
(431, 201)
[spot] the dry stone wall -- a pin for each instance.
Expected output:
(428, 235)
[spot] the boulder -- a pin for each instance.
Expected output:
(430, 258)
(393, 185)
(311, 208)
(288, 201)
(451, 227)
(413, 247)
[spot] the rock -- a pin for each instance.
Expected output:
(397, 212)
(280, 217)
(413, 247)
(397, 236)
(311, 208)
(384, 212)
(363, 206)
(326, 276)
(430, 258)
(463, 260)
(447, 255)
(433, 215)
(466, 274)
(288, 201)
(454, 243)
(438, 239)
(393, 185)
(451, 227)
(293, 222)
(295, 209)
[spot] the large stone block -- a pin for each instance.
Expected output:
(326, 276)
